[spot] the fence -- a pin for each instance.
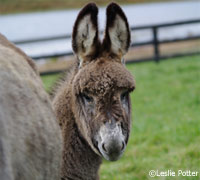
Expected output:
(155, 42)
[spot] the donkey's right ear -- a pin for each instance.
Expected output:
(85, 40)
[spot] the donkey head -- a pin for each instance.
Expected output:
(101, 86)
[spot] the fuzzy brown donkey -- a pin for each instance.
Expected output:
(93, 103)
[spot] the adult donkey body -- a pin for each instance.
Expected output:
(93, 105)
(30, 138)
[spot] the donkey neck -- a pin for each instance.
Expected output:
(80, 162)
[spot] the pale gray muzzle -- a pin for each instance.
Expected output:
(111, 141)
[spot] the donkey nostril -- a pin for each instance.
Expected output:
(113, 147)
(103, 146)
(123, 146)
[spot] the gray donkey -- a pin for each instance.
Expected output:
(30, 137)
(92, 104)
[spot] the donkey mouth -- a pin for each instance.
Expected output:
(112, 149)
(112, 156)
(111, 142)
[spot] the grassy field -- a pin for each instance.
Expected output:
(166, 121)
(16, 6)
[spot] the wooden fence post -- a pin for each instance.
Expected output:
(156, 44)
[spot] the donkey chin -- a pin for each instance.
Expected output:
(111, 141)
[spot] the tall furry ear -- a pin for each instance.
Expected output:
(85, 40)
(117, 34)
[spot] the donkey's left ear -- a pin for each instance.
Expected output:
(85, 40)
(117, 34)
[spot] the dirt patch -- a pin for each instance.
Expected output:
(138, 53)
(59, 64)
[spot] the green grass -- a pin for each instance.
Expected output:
(49, 81)
(16, 6)
(166, 121)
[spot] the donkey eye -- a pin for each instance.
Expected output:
(124, 96)
(87, 98)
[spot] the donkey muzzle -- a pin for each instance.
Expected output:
(111, 141)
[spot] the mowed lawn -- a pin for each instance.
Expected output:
(166, 121)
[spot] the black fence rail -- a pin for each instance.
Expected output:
(155, 42)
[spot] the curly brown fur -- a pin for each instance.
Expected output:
(93, 105)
